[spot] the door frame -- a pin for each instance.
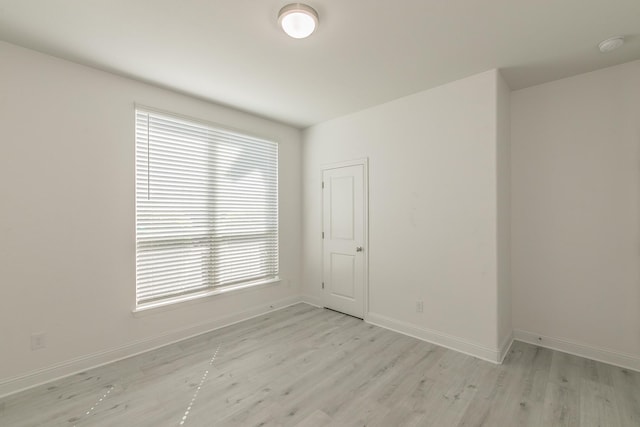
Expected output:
(364, 162)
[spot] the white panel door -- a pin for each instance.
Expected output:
(344, 235)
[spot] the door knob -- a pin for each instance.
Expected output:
(359, 249)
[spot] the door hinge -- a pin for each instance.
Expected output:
(322, 184)
(322, 285)
(323, 234)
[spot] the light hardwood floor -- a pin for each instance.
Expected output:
(306, 367)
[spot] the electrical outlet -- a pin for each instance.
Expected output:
(419, 306)
(38, 341)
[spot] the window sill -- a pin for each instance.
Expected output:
(174, 303)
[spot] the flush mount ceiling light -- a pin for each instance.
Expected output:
(298, 20)
(610, 44)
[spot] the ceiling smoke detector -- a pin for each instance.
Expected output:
(611, 44)
(298, 20)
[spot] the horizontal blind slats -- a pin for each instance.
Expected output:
(206, 207)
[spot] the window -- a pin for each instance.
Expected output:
(206, 209)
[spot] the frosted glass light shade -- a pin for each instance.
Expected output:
(298, 20)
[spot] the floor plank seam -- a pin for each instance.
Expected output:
(95, 405)
(202, 380)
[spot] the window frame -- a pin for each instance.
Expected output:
(211, 290)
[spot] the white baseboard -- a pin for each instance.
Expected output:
(73, 366)
(616, 358)
(505, 346)
(312, 300)
(435, 337)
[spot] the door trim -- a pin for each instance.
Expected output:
(365, 191)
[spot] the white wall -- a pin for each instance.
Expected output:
(432, 214)
(503, 171)
(575, 216)
(67, 243)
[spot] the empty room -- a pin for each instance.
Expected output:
(331, 213)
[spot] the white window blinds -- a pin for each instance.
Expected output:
(206, 208)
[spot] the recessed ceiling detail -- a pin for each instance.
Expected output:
(611, 44)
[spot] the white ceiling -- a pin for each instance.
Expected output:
(364, 53)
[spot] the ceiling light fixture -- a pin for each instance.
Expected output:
(298, 20)
(611, 44)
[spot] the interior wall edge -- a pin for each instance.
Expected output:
(505, 346)
(312, 300)
(611, 357)
(38, 377)
(441, 339)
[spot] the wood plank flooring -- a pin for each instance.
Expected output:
(309, 367)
